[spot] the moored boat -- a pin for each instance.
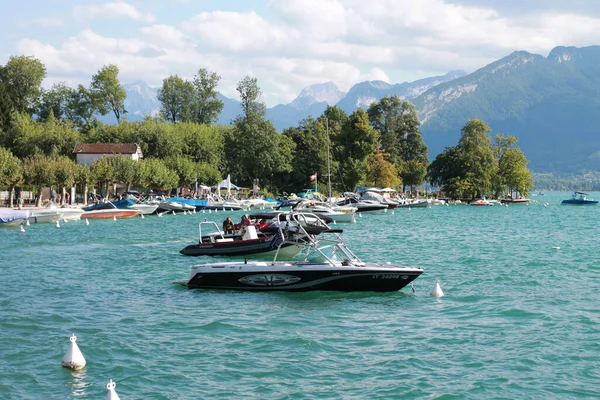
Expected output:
(110, 213)
(14, 217)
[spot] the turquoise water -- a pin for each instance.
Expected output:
(520, 318)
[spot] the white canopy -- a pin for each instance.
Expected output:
(388, 190)
(223, 185)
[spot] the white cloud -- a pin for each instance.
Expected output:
(302, 42)
(115, 9)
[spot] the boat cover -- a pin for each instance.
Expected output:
(7, 216)
(105, 206)
(191, 202)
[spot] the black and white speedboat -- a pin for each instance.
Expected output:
(327, 264)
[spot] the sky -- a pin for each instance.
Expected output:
(287, 44)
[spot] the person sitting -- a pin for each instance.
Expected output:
(228, 226)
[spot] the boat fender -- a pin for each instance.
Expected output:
(245, 261)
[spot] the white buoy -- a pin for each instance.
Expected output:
(203, 211)
(65, 220)
(173, 212)
(194, 212)
(114, 217)
(437, 289)
(111, 395)
(210, 211)
(160, 214)
(392, 212)
(216, 210)
(87, 222)
(360, 215)
(184, 212)
(408, 208)
(57, 224)
(555, 248)
(22, 229)
(385, 210)
(73, 358)
(27, 222)
(335, 223)
(142, 215)
(224, 209)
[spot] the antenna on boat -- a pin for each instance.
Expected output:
(328, 162)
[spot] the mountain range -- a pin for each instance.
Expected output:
(551, 104)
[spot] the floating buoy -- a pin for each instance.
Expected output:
(216, 210)
(160, 214)
(87, 222)
(360, 215)
(184, 212)
(223, 208)
(210, 211)
(194, 212)
(27, 222)
(385, 210)
(57, 224)
(203, 211)
(111, 395)
(173, 212)
(114, 217)
(555, 247)
(392, 212)
(408, 208)
(65, 220)
(437, 289)
(142, 215)
(73, 358)
(22, 229)
(335, 223)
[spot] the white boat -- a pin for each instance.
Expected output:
(45, 216)
(13, 217)
(320, 208)
(372, 195)
(170, 206)
(146, 209)
(68, 213)
(259, 204)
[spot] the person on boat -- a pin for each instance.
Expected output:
(228, 226)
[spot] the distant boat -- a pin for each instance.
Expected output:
(579, 199)
(481, 202)
(518, 200)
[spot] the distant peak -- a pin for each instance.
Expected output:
(326, 92)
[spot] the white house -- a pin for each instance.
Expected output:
(87, 153)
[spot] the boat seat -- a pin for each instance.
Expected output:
(249, 233)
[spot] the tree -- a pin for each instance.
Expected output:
(65, 171)
(355, 143)
(55, 101)
(512, 173)
(381, 172)
(11, 172)
(21, 78)
(207, 106)
(176, 99)
(157, 176)
(80, 107)
(107, 92)
(414, 159)
(38, 170)
(249, 97)
(477, 158)
(186, 170)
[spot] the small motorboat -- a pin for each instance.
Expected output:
(247, 241)
(110, 214)
(46, 216)
(364, 206)
(321, 208)
(481, 202)
(579, 199)
(520, 200)
(68, 213)
(327, 264)
(145, 209)
(14, 217)
(413, 203)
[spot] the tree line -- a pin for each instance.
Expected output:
(380, 146)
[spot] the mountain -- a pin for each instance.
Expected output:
(550, 103)
(364, 93)
(312, 101)
(141, 101)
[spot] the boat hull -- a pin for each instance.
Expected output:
(261, 246)
(266, 277)
(579, 202)
(146, 209)
(110, 214)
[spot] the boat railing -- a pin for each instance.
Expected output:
(208, 223)
(311, 241)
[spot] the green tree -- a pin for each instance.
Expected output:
(355, 143)
(55, 101)
(512, 173)
(207, 106)
(80, 108)
(186, 170)
(21, 79)
(250, 97)
(477, 158)
(176, 97)
(381, 172)
(414, 160)
(38, 171)
(65, 172)
(11, 172)
(107, 92)
(157, 176)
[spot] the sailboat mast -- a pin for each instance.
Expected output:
(328, 162)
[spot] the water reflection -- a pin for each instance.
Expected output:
(78, 384)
